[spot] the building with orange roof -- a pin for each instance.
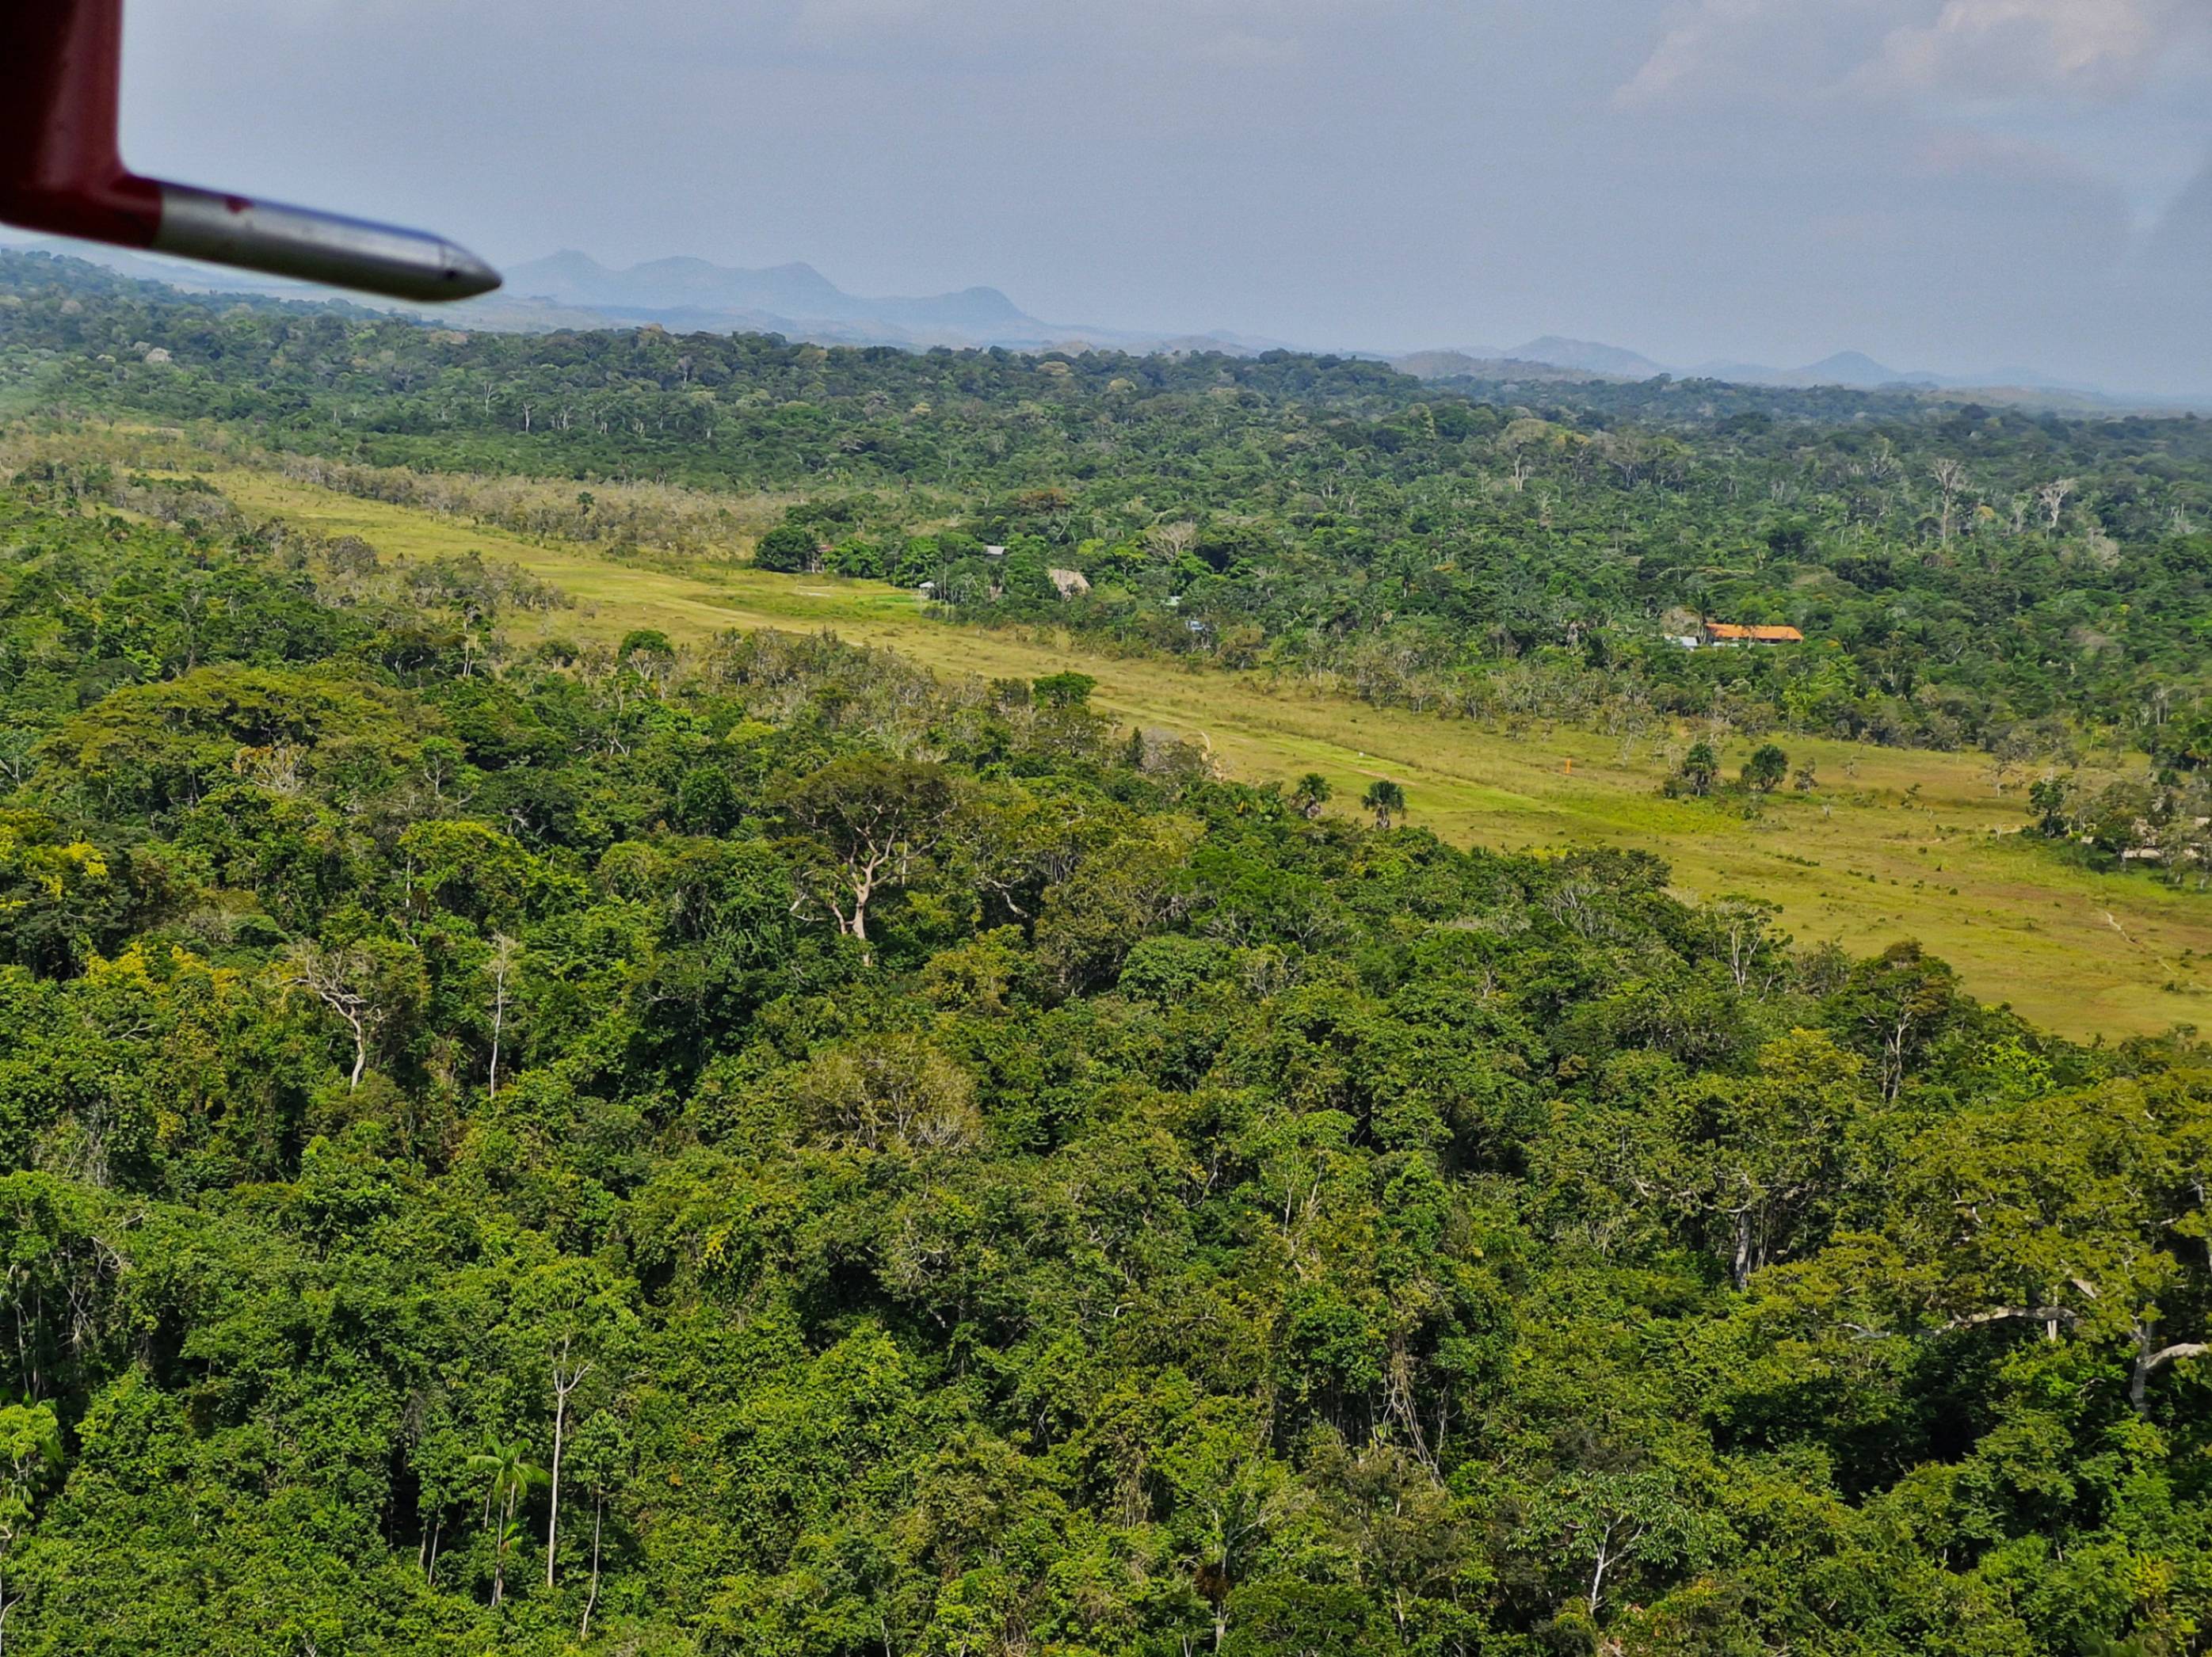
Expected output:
(1729, 633)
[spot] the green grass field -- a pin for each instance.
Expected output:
(1895, 843)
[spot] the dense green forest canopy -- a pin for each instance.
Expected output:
(753, 1151)
(1966, 576)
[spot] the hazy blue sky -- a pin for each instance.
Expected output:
(1945, 183)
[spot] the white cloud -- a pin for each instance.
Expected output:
(1760, 51)
(2006, 49)
(1945, 51)
(1701, 39)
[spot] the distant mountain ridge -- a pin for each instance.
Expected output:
(1853, 370)
(1564, 357)
(571, 290)
(1611, 361)
(1480, 362)
(797, 301)
(795, 290)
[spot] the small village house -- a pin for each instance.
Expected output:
(1730, 636)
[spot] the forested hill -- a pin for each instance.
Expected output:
(509, 1147)
(1965, 576)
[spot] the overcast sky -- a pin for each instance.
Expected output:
(1951, 184)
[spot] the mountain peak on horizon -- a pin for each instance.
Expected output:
(568, 260)
(1856, 368)
(1850, 360)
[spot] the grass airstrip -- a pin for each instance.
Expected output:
(1892, 843)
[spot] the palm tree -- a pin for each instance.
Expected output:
(1312, 793)
(1383, 798)
(1700, 768)
(511, 1473)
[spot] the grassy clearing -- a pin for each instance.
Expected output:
(1895, 844)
